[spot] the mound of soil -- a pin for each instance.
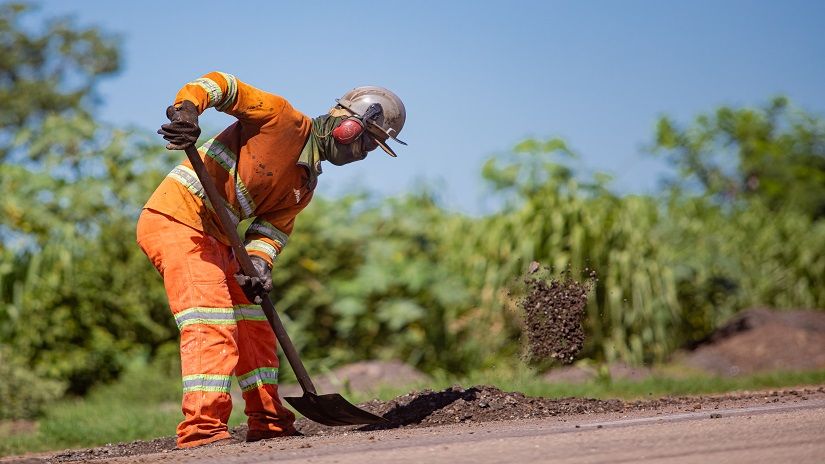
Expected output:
(475, 404)
(553, 312)
(364, 376)
(761, 340)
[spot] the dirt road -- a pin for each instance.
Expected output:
(753, 427)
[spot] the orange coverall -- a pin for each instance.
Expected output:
(262, 171)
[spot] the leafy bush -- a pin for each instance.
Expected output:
(24, 394)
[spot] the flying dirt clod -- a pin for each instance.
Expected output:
(553, 311)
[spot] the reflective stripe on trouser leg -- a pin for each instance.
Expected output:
(257, 369)
(208, 357)
(193, 266)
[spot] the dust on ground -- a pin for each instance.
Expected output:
(553, 311)
(456, 406)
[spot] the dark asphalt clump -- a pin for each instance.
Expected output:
(553, 311)
(481, 403)
(485, 403)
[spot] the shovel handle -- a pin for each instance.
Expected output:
(230, 231)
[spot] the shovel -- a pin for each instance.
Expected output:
(331, 409)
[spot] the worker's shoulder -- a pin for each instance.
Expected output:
(289, 113)
(289, 107)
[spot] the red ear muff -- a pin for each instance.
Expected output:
(348, 131)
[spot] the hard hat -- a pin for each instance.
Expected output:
(382, 125)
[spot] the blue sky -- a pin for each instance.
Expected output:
(476, 77)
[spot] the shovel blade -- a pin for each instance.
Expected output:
(332, 409)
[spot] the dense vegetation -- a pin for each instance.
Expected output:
(741, 225)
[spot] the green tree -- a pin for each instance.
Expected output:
(77, 298)
(47, 77)
(775, 154)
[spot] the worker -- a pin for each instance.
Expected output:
(266, 166)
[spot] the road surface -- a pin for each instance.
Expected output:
(753, 433)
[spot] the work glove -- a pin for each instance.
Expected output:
(183, 130)
(258, 287)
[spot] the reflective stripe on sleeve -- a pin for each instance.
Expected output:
(231, 93)
(266, 229)
(212, 89)
(263, 247)
(258, 378)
